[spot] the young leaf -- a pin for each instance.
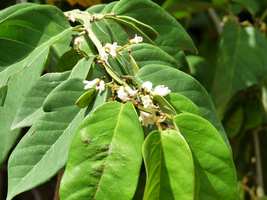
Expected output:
(31, 108)
(169, 167)
(86, 98)
(105, 155)
(215, 170)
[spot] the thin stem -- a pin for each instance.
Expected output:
(59, 177)
(259, 172)
(36, 194)
(216, 20)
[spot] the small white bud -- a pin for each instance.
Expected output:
(147, 85)
(111, 49)
(90, 84)
(161, 90)
(137, 39)
(78, 41)
(146, 118)
(147, 101)
(122, 94)
(131, 92)
(100, 86)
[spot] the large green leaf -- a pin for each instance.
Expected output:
(180, 82)
(242, 62)
(18, 85)
(105, 155)
(47, 141)
(21, 33)
(215, 170)
(172, 37)
(31, 108)
(169, 167)
(43, 150)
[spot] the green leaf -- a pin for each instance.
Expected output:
(47, 142)
(49, 138)
(21, 33)
(215, 170)
(182, 104)
(241, 62)
(180, 82)
(172, 37)
(233, 122)
(105, 155)
(3, 93)
(169, 167)
(31, 108)
(27, 41)
(164, 105)
(149, 54)
(86, 98)
(148, 30)
(17, 87)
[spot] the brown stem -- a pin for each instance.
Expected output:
(259, 172)
(59, 177)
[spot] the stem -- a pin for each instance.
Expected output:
(36, 194)
(216, 20)
(59, 177)
(259, 172)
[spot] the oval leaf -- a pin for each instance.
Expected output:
(169, 167)
(105, 155)
(215, 170)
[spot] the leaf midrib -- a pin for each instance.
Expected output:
(109, 153)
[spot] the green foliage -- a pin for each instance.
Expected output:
(113, 98)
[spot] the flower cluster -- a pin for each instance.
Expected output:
(113, 49)
(96, 83)
(143, 97)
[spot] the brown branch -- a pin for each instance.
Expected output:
(259, 172)
(59, 177)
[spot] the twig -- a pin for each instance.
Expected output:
(216, 20)
(59, 177)
(259, 172)
(36, 194)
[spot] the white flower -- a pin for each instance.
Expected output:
(147, 101)
(137, 39)
(78, 41)
(122, 94)
(100, 86)
(90, 84)
(131, 92)
(161, 90)
(70, 16)
(147, 85)
(103, 55)
(146, 118)
(96, 83)
(111, 48)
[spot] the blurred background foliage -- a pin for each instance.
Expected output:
(231, 64)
